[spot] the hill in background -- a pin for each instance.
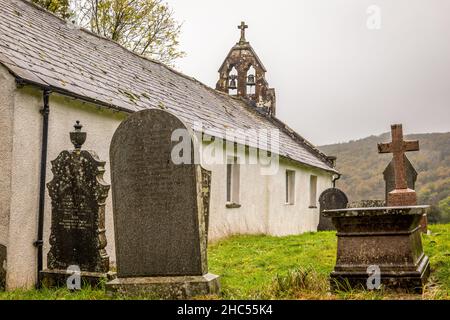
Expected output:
(362, 169)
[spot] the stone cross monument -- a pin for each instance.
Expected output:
(384, 238)
(401, 195)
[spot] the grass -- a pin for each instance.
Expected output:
(249, 265)
(296, 267)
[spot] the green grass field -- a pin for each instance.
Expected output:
(297, 267)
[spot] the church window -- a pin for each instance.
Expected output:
(313, 192)
(290, 187)
(233, 182)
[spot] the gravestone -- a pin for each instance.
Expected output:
(2, 267)
(380, 243)
(401, 195)
(330, 199)
(403, 173)
(161, 210)
(389, 176)
(78, 195)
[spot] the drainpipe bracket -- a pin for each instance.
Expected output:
(38, 243)
(45, 111)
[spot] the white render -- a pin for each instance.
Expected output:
(262, 198)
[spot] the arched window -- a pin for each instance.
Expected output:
(251, 81)
(233, 82)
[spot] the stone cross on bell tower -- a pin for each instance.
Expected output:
(242, 27)
(402, 195)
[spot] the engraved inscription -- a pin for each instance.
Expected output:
(78, 195)
(159, 214)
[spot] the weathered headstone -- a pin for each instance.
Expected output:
(78, 195)
(160, 210)
(389, 176)
(2, 267)
(330, 199)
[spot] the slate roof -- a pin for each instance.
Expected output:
(40, 49)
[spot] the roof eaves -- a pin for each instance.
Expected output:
(322, 156)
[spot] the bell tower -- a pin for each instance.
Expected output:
(242, 74)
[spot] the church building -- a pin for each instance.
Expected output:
(53, 74)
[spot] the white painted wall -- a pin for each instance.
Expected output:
(285, 219)
(263, 209)
(7, 87)
(21, 262)
(100, 125)
(263, 202)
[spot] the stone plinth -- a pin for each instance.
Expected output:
(401, 197)
(388, 238)
(169, 288)
(58, 278)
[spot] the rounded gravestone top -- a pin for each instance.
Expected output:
(333, 199)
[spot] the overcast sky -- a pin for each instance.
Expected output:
(336, 79)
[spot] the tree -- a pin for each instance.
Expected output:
(147, 27)
(444, 205)
(59, 7)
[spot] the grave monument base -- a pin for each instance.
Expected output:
(401, 197)
(58, 278)
(169, 288)
(396, 281)
(387, 238)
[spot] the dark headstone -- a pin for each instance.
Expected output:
(330, 199)
(2, 267)
(78, 195)
(389, 176)
(160, 210)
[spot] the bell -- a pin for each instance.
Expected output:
(233, 83)
(251, 80)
